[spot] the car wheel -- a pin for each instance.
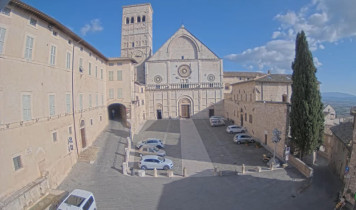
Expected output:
(239, 142)
(143, 167)
(165, 167)
(231, 132)
(252, 141)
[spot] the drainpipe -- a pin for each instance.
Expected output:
(73, 98)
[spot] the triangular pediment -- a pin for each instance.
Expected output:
(183, 45)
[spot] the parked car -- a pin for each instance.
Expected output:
(242, 138)
(216, 117)
(150, 142)
(155, 161)
(217, 122)
(235, 129)
(78, 199)
(151, 150)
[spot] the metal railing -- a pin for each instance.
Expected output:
(203, 85)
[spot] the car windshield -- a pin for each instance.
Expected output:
(161, 159)
(154, 149)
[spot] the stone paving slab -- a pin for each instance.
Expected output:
(89, 154)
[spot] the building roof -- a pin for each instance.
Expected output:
(280, 78)
(343, 131)
(122, 59)
(241, 74)
(54, 23)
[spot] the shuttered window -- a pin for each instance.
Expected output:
(26, 107)
(2, 39)
(29, 47)
(53, 56)
(68, 101)
(68, 60)
(119, 75)
(119, 93)
(52, 107)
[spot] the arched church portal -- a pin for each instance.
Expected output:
(185, 105)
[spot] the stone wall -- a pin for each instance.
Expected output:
(301, 166)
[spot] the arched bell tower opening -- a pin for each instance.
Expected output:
(117, 112)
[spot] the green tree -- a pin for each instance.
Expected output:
(306, 117)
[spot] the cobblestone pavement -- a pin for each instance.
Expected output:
(278, 189)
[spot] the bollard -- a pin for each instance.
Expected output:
(236, 171)
(215, 172)
(185, 174)
(124, 168)
(258, 169)
(132, 171)
(170, 173)
(155, 172)
(243, 168)
(271, 166)
(220, 173)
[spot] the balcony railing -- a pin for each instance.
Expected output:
(182, 86)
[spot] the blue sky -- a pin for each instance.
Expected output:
(248, 35)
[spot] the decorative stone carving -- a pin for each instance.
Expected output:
(211, 78)
(158, 79)
(184, 71)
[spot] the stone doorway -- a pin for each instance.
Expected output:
(185, 108)
(82, 134)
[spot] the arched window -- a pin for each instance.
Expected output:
(133, 44)
(127, 20)
(143, 18)
(132, 19)
(138, 19)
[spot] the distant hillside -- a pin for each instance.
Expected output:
(338, 96)
(341, 102)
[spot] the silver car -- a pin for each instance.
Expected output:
(216, 122)
(150, 142)
(242, 138)
(155, 161)
(151, 150)
(235, 129)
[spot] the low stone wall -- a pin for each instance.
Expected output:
(26, 196)
(301, 166)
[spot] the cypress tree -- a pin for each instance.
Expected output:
(306, 116)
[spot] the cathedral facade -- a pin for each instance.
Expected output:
(184, 78)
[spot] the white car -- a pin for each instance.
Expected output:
(216, 117)
(150, 142)
(78, 199)
(217, 122)
(151, 150)
(155, 161)
(235, 129)
(242, 138)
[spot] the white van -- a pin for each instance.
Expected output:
(78, 199)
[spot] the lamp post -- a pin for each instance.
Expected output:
(275, 139)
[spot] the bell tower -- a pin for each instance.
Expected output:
(136, 32)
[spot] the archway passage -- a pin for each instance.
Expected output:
(185, 105)
(117, 112)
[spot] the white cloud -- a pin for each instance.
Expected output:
(93, 26)
(321, 20)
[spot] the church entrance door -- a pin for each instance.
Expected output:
(159, 114)
(185, 110)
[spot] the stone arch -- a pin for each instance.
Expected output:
(185, 106)
(159, 111)
(183, 47)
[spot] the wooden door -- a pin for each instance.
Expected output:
(185, 111)
(84, 141)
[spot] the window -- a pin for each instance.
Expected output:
(53, 55)
(102, 99)
(90, 100)
(97, 100)
(127, 20)
(111, 75)
(88, 204)
(29, 47)
(211, 85)
(81, 101)
(250, 118)
(68, 60)
(55, 33)
(119, 75)
(89, 69)
(52, 108)
(141, 90)
(138, 19)
(68, 105)
(143, 18)
(91, 121)
(2, 39)
(142, 102)
(119, 63)
(81, 65)
(111, 64)
(6, 11)
(26, 107)
(54, 136)
(182, 57)
(101, 73)
(133, 44)
(111, 93)
(33, 22)
(132, 20)
(119, 93)
(227, 86)
(245, 116)
(17, 162)
(96, 71)
(70, 130)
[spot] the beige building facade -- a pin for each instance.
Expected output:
(261, 105)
